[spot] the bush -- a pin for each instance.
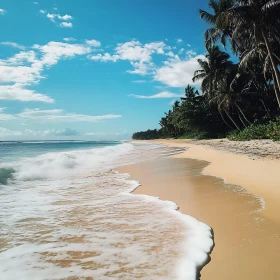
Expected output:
(194, 135)
(270, 130)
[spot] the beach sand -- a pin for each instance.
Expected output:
(246, 231)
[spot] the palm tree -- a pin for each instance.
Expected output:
(260, 19)
(216, 32)
(212, 69)
(190, 93)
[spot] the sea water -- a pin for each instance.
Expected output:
(66, 214)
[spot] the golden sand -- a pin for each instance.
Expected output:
(247, 238)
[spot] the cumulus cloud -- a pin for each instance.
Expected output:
(93, 43)
(104, 57)
(175, 67)
(2, 11)
(178, 73)
(60, 20)
(13, 44)
(164, 94)
(25, 69)
(138, 54)
(66, 24)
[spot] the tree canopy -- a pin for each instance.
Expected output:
(232, 96)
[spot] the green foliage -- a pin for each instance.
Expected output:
(271, 130)
(194, 135)
(147, 135)
(233, 96)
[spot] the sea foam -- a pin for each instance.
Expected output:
(68, 214)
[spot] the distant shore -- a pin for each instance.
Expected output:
(245, 220)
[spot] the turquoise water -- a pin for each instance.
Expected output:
(66, 214)
(11, 150)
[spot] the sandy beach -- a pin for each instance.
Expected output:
(234, 187)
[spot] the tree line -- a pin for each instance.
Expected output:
(235, 99)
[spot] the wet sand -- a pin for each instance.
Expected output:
(247, 241)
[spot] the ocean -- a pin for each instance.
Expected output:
(65, 213)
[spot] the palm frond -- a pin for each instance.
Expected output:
(207, 17)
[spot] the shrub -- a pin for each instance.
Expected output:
(270, 130)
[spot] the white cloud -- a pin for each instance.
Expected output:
(191, 53)
(141, 68)
(188, 45)
(69, 39)
(24, 69)
(58, 17)
(51, 17)
(65, 17)
(13, 44)
(52, 132)
(17, 92)
(59, 115)
(93, 43)
(138, 54)
(181, 50)
(135, 51)
(2, 11)
(164, 94)
(5, 117)
(4, 132)
(55, 51)
(179, 41)
(36, 3)
(139, 81)
(66, 24)
(175, 71)
(104, 57)
(178, 73)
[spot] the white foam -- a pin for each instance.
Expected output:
(82, 206)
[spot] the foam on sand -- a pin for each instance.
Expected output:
(69, 214)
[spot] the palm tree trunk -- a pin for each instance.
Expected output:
(276, 89)
(265, 108)
(242, 113)
(222, 116)
(230, 117)
(241, 120)
(274, 66)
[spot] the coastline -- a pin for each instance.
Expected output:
(199, 180)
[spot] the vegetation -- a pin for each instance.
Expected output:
(241, 100)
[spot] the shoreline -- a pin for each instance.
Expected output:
(257, 175)
(246, 233)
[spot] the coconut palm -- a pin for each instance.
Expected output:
(212, 69)
(260, 19)
(217, 31)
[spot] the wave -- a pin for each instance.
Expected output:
(6, 174)
(61, 164)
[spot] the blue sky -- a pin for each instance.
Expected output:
(94, 69)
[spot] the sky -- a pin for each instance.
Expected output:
(94, 69)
